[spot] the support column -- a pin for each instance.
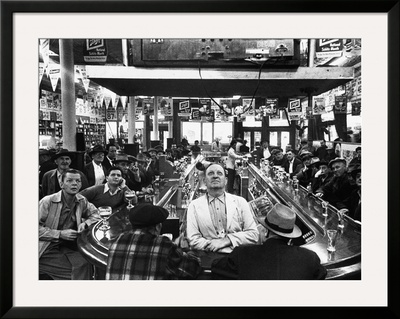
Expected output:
(68, 94)
(155, 120)
(131, 120)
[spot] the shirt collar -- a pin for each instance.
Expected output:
(221, 198)
(106, 189)
(94, 163)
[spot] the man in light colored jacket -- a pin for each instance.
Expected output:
(62, 216)
(219, 221)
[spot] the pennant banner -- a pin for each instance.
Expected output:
(54, 74)
(44, 49)
(41, 71)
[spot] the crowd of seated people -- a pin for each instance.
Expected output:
(218, 221)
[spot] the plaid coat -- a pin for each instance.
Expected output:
(140, 255)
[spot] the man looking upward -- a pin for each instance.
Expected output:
(219, 221)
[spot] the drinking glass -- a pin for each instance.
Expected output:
(332, 236)
(129, 195)
(341, 218)
(325, 207)
(105, 212)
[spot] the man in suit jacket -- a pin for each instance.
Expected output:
(293, 165)
(51, 181)
(275, 259)
(110, 156)
(264, 151)
(219, 221)
(352, 205)
(95, 171)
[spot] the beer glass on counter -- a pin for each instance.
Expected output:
(105, 212)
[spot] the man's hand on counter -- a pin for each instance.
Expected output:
(217, 244)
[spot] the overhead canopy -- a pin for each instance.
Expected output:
(285, 83)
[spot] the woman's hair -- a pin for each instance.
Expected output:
(232, 144)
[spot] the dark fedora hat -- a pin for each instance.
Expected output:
(142, 158)
(97, 149)
(281, 220)
(122, 157)
(321, 162)
(147, 215)
(152, 149)
(305, 155)
(336, 160)
(314, 160)
(354, 170)
(63, 152)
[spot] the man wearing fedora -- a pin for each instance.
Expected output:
(95, 171)
(143, 254)
(276, 258)
(131, 177)
(146, 173)
(219, 221)
(340, 186)
(351, 206)
(322, 176)
(306, 173)
(154, 161)
(110, 156)
(52, 179)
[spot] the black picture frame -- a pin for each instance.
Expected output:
(8, 310)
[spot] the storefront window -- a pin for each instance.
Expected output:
(192, 131)
(206, 131)
(222, 131)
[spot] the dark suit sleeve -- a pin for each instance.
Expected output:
(45, 185)
(320, 271)
(85, 183)
(225, 268)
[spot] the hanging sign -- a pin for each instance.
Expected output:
(165, 105)
(318, 105)
(148, 106)
(329, 48)
(205, 107)
(195, 113)
(184, 108)
(95, 50)
(271, 106)
(248, 106)
(340, 104)
(355, 108)
(294, 109)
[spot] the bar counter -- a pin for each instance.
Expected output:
(344, 263)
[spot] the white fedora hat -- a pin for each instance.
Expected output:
(281, 220)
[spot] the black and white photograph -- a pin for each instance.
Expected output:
(180, 167)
